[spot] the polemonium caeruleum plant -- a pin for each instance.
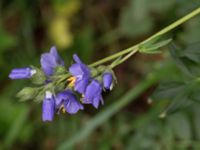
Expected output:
(62, 89)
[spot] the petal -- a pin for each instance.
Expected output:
(77, 59)
(76, 70)
(54, 53)
(80, 85)
(48, 109)
(107, 80)
(72, 105)
(97, 97)
(79, 68)
(95, 102)
(60, 97)
(48, 63)
(21, 70)
(20, 73)
(93, 91)
(50, 60)
(85, 70)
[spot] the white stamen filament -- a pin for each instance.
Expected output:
(33, 71)
(48, 94)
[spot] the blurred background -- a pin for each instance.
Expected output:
(95, 29)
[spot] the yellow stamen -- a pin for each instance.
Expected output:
(62, 109)
(71, 81)
(81, 99)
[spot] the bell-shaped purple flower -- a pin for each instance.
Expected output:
(81, 74)
(22, 73)
(48, 107)
(67, 100)
(93, 94)
(49, 61)
(107, 80)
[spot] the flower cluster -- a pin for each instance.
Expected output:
(82, 84)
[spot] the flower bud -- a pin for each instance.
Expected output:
(22, 73)
(48, 107)
(108, 80)
(27, 93)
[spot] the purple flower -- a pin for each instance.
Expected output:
(48, 107)
(80, 75)
(66, 101)
(108, 80)
(93, 94)
(22, 73)
(49, 61)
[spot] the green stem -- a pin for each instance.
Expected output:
(125, 58)
(164, 31)
(174, 25)
(121, 53)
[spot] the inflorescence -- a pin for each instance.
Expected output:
(64, 90)
(59, 88)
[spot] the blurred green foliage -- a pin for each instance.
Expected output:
(95, 29)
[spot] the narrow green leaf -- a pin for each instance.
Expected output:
(187, 59)
(180, 124)
(152, 41)
(153, 48)
(168, 89)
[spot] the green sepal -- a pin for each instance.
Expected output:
(94, 71)
(97, 71)
(101, 68)
(39, 77)
(27, 93)
(99, 78)
(40, 96)
(60, 70)
(61, 86)
(114, 76)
